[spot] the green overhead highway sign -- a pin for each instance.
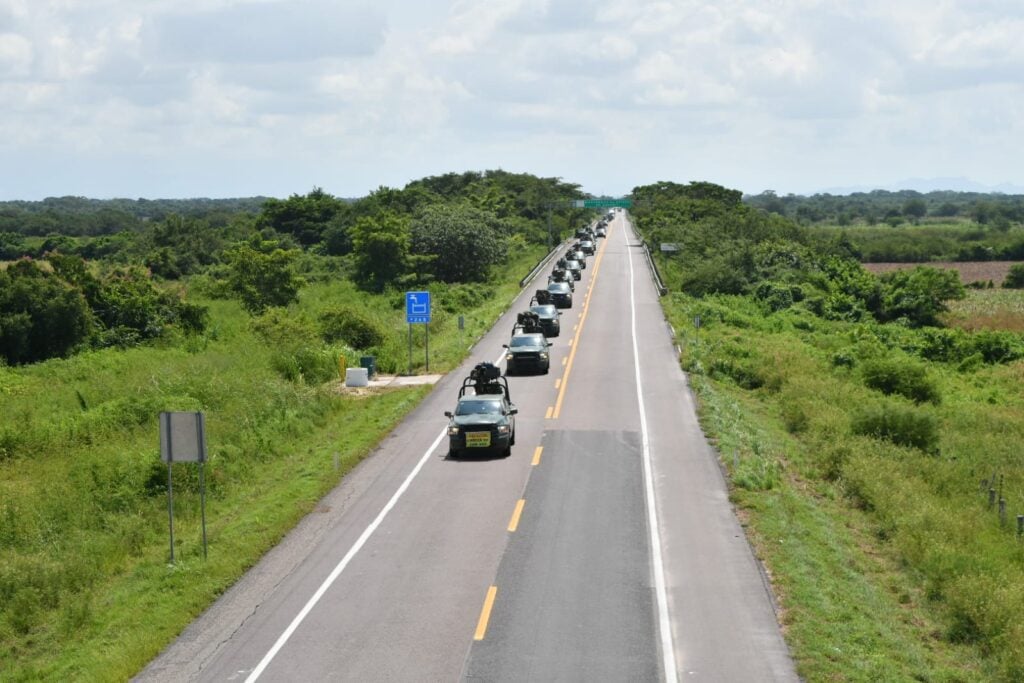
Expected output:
(624, 202)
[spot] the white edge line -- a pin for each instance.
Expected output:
(340, 567)
(664, 624)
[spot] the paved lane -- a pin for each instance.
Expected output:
(535, 567)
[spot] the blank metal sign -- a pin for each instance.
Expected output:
(182, 437)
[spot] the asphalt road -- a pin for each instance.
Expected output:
(604, 549)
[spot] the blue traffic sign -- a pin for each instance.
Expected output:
(417, 307)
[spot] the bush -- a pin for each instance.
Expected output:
(901, 425)
(307, 364)
(1015, 278)
(996, 346)
(351, 327)
(900, 376)
(40, 316)
(744, 374)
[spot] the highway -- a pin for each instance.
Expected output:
(604, 549)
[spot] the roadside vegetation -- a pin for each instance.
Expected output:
(862, 422)
(244, 315)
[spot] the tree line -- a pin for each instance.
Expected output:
(893, 208)
(105, 272)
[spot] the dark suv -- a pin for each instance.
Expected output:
(561, 295)
(549, 319)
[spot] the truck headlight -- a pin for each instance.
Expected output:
(543, 355)
(453, 430)
(503, 429)
(509, 356)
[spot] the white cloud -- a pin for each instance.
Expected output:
(15, 56)
(309, 92)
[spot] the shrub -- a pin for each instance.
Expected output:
(351, 327)
(795, 417)
(280, 327)
(306, 364)
(758, 473)
(901, 425)
(996, 346)
(745, 374)
(1015, 278)
(778, 296)
(902, 377)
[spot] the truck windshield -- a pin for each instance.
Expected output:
(478, 407)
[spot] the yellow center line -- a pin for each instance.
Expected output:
(558, 382)
(536, 455)
(513, 523)
(564, 360)
(574, 342)
(547, 415)
(485, 613)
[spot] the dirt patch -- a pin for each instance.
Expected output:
(970, 271)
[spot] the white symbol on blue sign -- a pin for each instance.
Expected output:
(417, 307)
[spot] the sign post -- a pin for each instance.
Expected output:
(417, 311)
(183, 439)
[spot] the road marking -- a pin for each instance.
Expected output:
(558, 382)
(668, 653)
(513, 523)
(547, 415)
(564, 360)
(574, 342)
(340, 567)
(536, 455)
(485, 613)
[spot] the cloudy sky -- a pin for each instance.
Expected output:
(229, 98)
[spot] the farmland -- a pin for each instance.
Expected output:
(970, 271)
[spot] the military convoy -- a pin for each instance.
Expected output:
(484, 417)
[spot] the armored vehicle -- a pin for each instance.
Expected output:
(484, 417)
(527, 351)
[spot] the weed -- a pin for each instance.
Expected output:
(902, 425)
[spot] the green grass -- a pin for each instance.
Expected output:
(887, 562)
(86, 590)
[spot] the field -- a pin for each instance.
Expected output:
(970, 271)
(988, 309)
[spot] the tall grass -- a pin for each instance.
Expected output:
(86, 591)
(876, 528)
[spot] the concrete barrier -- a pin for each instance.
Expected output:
(356, 377)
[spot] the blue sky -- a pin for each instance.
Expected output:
(226, 98)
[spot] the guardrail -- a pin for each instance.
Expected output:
(655, 275)
(540, 266)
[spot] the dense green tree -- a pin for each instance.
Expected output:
(12, 246)
(262, 274)
(305, 217)
(179, 246)
(915, 209)
(381, 249)
(462, 241)
(41, 316)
